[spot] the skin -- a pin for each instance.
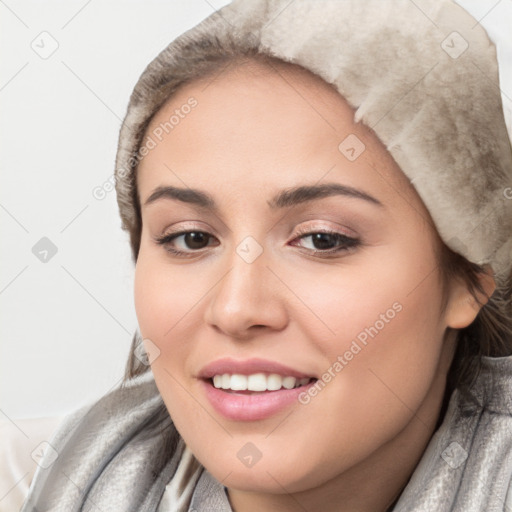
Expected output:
(257, 130)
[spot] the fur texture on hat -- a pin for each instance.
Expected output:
(423, 75)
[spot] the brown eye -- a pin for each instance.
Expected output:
(186, 243)
(195, 239)
(326, 242)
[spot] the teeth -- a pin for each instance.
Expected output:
(257, 382)
(274, 382)
(238, 382)
(289, 382)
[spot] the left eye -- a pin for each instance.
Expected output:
(327, 242)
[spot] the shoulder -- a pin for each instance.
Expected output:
(468, 462)
(122, 448)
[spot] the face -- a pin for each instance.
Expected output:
(285, 257)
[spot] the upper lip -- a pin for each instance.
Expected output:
(248, 367)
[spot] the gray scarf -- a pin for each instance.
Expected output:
(107, 463)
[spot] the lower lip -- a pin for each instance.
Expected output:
(245, 407)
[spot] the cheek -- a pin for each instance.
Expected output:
(379, 332)
(164, 303)
(392, 297)
(168, 302)
(163, 295)
(152, 303)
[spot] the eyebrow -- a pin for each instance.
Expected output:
(284, 199)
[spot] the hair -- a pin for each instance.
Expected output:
(490, 334)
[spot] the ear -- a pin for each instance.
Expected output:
(462, 308)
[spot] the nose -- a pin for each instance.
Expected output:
(248, 299)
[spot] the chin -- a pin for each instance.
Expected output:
(264, 480)
(271, 475)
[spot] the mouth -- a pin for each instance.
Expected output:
(257, 382)
(252, 390)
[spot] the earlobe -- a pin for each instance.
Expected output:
(463, 306)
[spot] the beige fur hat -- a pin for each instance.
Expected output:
(422, 74)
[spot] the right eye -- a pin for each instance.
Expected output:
(185, 243)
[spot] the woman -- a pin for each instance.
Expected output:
(316, 197)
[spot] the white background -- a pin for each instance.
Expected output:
(66, 325)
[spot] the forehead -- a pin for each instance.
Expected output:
(264, 125)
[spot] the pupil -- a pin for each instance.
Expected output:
(195, 239)
(322, 241)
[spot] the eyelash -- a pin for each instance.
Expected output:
(348, 243)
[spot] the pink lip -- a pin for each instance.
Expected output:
(244, 406)
(259, 406)
(248, 367)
